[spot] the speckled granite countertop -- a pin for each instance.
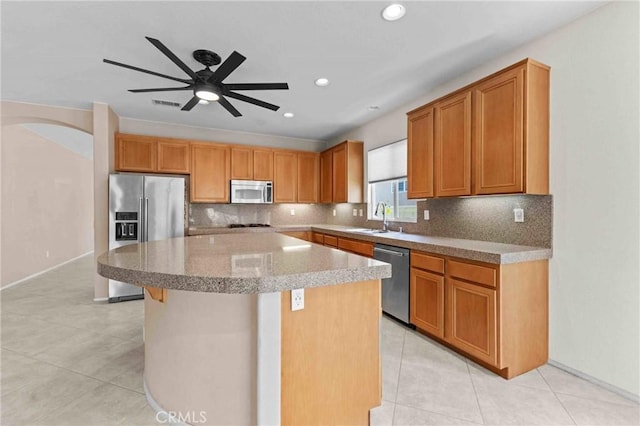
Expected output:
(237, 263)
(483, 251)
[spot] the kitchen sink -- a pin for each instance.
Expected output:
(368, 231)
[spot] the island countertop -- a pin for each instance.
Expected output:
(237, 263)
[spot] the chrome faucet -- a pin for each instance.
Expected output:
(385, 224)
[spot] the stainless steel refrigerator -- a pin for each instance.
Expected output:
(143, 208)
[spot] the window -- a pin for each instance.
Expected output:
(387, 172)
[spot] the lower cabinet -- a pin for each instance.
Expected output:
(302, 235)
(363, 248)
(495, 314)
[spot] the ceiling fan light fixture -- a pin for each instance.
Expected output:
(203, 102)
(206, 91)
(393, 12)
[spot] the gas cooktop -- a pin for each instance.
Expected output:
(249, 225)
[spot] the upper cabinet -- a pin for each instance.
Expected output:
(308, 177)
(210, 173)
(150, 154)
(251, 163)
(342, 170)
(491, 137)
(285, 177)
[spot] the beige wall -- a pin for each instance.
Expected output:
(594, 276)
(47, 215)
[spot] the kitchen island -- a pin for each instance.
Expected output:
(223, 346)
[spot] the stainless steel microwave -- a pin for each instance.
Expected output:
(251, 192)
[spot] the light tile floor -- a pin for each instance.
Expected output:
(66, 360)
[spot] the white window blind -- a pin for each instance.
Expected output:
(387, 162)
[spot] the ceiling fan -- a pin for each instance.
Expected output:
(207, 85)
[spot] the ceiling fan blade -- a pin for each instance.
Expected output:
(254, 101)
(131, 67)
(227, 67)
(189, 105)
(169, 54)
(227, 105)
(162, 89)
(256, 86)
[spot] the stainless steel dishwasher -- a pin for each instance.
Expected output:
(395, 290)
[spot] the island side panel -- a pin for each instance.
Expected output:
(331, 355)
(200, 355)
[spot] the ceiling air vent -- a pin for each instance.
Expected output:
(165, 103)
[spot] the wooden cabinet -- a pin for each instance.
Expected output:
(174, 156)
(490, 137)
(317, 237)
(420, 154)
(150, 154)
(302, 235)
(135, 153)
(342, 170)
(262, 164)
(363, 248)
(326, 177)
(210, 173)
(285, 177)
(308, 176)
(427, 293)
(453, 146)
(251, 163)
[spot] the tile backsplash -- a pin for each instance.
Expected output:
(487, 218)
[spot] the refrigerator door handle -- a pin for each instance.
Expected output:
(146, 219)
(140, 228)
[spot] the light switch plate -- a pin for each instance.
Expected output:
(518, 215)
(426, 215)
(334, 212)
(360, 213)
(355, 212)
(293, 212)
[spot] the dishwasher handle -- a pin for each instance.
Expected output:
(394, 253)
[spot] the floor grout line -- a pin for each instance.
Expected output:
(475, 392)
(395, 398)
(556, 396)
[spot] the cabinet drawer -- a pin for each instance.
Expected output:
(478, 274)
(357, 247)
(330, 241)
(427, 262)
(317, 237)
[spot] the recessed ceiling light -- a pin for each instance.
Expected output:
(373, 107)
(393, 12)
(288, 114)
(321, 82)
(203, 102)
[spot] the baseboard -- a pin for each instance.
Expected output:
(101, 299)
(626, 394)
(22, 280)
(162, 415)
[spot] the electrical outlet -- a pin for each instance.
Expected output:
(297, 299)
(518, 215)
(47, 254)
(426, 214)
(334, 212)
(355, 212)
(360, 213)
(293, 212)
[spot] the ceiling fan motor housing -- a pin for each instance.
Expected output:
(206, 57)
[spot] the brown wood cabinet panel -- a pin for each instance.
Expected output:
(210, 173)
(427, 262)
(536, 132)
(174, 156)
(420, 154)
(326, 177)
(340, 174)
(427, 301)
(135, 153)
(485, 275)
(302, 235)
(285, 177)
(453, 146)
(498, 139)
(308, 177)
(241, 162)
(471, 319)
(262, 164)
(331, 241)
(317, 237)
(363, 248)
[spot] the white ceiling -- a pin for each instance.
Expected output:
(52, 54)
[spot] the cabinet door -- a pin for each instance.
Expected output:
(136, 153)
(174, 157)
(317, 237)
(420, 154)
(498, 137)
(308, 175)
(471, 319)
(302, 235)
(326, 177)
(241, 163)
(339, 166)
(210, 172)
(262, 164)
(285, 177)
(427, 301)
(453, 146)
